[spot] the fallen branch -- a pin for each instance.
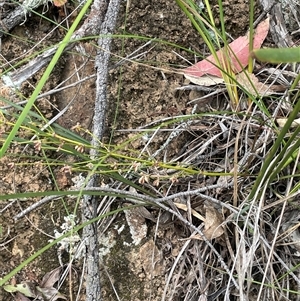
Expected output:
(89, 205)
(138, 197)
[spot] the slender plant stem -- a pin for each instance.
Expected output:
(251, 35)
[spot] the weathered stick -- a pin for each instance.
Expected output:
(14, 18)
(89, 206)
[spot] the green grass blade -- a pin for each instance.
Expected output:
(265, 171)
(251, 35)
(278, 55)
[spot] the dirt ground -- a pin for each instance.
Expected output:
(139, 94)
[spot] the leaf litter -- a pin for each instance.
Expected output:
(44, 292)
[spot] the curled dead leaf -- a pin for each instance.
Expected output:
(251, 84)
(205, 80)
(213, 223)
(51, 278)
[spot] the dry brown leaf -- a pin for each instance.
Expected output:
(51, 278)
(194, 212)
(205, 80)
(251, 84)
(282, 121)
(213, 223)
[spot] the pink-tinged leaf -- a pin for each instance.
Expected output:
(261, 33)
(238, 54)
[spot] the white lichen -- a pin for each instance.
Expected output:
(68, 244)
(29, 5)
